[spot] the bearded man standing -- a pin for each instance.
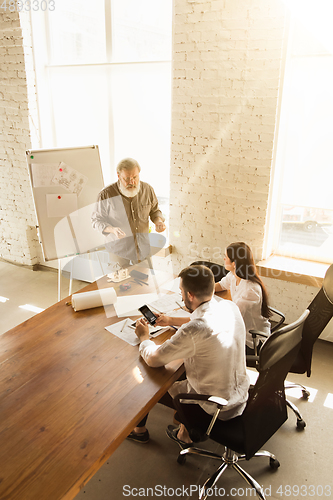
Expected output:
(122, 214)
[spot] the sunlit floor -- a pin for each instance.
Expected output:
(305, 456)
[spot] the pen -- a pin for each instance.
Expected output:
(138, 282)
(124, 324)
(143, 282)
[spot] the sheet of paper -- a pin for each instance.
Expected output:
(126, 332)
(172, 286)
(43, 173)
(61, 205)
(123, 331)
(180, 313)
(167, 303)
(69, 178)
(128, 305)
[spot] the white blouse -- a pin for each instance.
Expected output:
(248, 296)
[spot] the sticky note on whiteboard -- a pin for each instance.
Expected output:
(61, 205)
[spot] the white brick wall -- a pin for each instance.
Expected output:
(227, 59)
(17, 217)
(226, 70)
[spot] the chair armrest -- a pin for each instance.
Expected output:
(219, 402)
(257, 333)
(201, 397)
(252, 360)
(281, 320)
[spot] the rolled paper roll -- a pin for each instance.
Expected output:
(96, 298)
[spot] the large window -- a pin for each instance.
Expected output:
(302, 206)
(104, 77)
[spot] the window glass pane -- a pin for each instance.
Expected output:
(141, 30)
(305, 211)
(142, 119)
(77, 31)
(123, 108)
(80, 109)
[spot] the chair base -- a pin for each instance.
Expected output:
(291, 385)
(300, 423)
(228, 459)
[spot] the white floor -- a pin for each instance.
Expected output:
(305, 456)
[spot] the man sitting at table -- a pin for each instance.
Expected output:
(211, 343)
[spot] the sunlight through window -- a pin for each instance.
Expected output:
(303, 217)
(296, 392)
(29, 307)
(137, 374)
(329, 401)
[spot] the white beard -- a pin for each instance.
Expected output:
(129, 193)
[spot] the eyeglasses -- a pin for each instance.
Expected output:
(128, 179)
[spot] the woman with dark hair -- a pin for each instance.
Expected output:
(247, 290)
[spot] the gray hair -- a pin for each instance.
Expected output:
(127, 164)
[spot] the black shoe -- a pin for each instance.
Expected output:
(172, 432)
(139, 437)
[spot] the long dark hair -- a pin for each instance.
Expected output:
(240, 253)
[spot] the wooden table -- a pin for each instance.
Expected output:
(70, 393)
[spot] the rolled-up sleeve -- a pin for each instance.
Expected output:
(155, 210)
(180, 346)
(225, 282)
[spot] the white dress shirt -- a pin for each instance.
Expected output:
(248, 296)
(212, 345)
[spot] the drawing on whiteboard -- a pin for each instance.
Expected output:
(43, 173)
(69, 178)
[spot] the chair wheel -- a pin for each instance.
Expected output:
(301, 424)
(274, 463)
(181, 459)
(305, 394)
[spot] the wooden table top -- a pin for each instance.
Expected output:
(70, 392)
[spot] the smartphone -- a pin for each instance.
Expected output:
(148, 314)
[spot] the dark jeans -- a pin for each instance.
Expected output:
(165, 400)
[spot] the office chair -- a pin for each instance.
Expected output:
(321, 312)
(219, 272)
(263, 415)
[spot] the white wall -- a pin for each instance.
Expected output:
(226, 75)
(227, 63)
(18, 236)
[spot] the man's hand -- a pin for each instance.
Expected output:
(142, 329)
(119, 233)
(162, 320)
(159, 225)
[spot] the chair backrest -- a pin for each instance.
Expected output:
(218, 270)
(321, 312)
(266, 411)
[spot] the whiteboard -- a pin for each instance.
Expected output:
(65, 185)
